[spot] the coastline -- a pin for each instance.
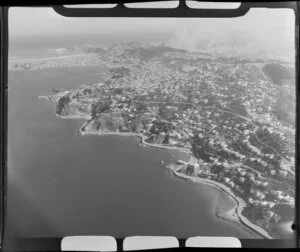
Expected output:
(234, 215)
(78, 116)
(141, 136)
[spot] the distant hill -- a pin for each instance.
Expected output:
(278, 73)
(233, 43)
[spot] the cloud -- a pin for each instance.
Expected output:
(259, 32)
(260, 29)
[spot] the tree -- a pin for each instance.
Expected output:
(100, 107)
(216, 169)
(141, 107)
(62, 105)
(166, 113)
(190, 169)
(118, 91)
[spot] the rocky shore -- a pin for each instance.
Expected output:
(233, 215)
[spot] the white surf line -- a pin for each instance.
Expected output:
(48, 58)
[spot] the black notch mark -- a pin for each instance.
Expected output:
(181, 11)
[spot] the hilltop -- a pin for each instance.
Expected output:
(227, 111)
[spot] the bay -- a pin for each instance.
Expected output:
(61, 183)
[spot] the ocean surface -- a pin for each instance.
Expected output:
(43, 46)
(61, 183)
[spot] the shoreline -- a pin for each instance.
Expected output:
(78, 116)
(233, 215)
(47, 58)
(240, 203)
(141, 136)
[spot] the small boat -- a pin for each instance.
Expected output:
(162, 162)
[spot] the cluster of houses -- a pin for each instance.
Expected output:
(155, 85)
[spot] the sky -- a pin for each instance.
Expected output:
(26, 21)
(262, 29)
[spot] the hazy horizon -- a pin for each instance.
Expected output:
(46, 21)
(122, 139)
(260, 31)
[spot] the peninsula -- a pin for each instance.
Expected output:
(233, 116)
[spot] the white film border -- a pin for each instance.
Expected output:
(149, 242)
(131, 243)
(89, 243)
(216, 242)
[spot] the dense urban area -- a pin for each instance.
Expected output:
(235, 116)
